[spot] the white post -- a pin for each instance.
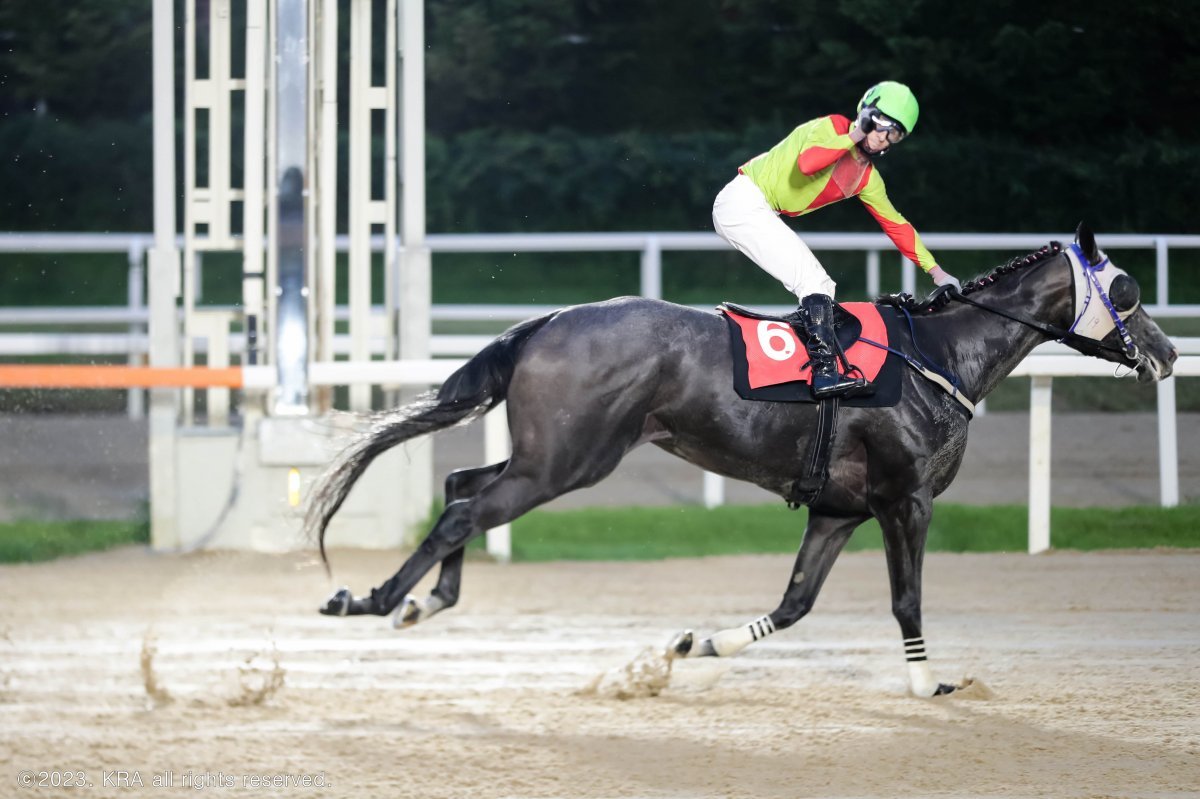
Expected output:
(360, 194)
(391, 199)
(496, 448)
(164, 284)
(415, 281)
(872, 274)
(254, 204)
(1168, 446)
(1160, 269)
(652, 268)
(714, 490)
(908, 276)
(1039, 463)
(135, 406)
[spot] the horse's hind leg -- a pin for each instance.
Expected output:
(510, 495)
(823, 541)
(460, 484)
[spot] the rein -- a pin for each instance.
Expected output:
(1069, 336)
(929, 370)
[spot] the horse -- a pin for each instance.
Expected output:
(588, 383)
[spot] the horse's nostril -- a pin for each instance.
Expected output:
(1174, 355)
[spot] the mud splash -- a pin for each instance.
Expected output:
(647, 675)
(158, 695)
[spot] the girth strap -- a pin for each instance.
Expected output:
(816, 461)
(945, 384)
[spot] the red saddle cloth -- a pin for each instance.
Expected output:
(775, 354)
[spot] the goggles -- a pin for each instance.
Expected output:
(894, 130)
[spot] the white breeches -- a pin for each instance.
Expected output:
(742, 217)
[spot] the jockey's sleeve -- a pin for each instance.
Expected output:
(897, 228)
(827, 141)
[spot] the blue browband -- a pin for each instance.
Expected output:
(1089, 271)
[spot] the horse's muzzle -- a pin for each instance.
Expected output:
(1152, 370)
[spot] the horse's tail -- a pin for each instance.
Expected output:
(474, 389)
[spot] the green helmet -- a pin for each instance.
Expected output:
(894, 100)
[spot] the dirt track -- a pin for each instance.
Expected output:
(1091, 661)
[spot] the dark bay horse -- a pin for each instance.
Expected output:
(587, 384)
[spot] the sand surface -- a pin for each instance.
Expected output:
(217, 665)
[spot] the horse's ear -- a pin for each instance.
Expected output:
(1087, 242)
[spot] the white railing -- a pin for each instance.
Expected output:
(1056, 360)
(651, 246)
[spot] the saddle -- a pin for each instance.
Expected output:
(770, 356)
(771, 363)
(846, 326)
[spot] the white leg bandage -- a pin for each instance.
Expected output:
(730, 642)
(920, 678)
(743, 218)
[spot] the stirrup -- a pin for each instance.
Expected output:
(842, 386)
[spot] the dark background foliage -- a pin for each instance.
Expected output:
(613, 114)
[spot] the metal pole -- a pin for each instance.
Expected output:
(1039, 463)
(291, 115)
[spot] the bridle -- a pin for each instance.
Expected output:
(1089, 273)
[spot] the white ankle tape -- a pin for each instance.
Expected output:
(732, 641)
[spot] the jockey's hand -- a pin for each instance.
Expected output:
(943, 278)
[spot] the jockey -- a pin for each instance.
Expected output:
(821, 162)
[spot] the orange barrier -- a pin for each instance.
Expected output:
(117, 376)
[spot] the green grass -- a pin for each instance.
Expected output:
(682, 532)
(31, 541)
(650, 533)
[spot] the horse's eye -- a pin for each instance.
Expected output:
(1124, 293)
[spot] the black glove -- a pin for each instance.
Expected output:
(865, 123)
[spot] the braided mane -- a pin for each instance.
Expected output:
(1019, 262)
(978, 284)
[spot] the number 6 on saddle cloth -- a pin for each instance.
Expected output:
(770, 362)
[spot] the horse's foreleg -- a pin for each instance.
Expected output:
(823, 541)
(905, 527)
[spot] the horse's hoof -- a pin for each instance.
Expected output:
(944, 689)
(339, 603)
(408, 614)
(680, 645)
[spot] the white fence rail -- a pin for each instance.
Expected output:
(651, 246)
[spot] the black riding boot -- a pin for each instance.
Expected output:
(816, 312)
